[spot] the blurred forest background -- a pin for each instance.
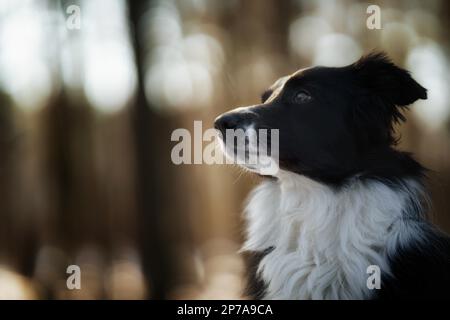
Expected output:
(86, 116)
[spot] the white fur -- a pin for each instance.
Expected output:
(323, 239)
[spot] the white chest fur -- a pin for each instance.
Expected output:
(324, 240)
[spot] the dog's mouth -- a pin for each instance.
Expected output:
(250, 151)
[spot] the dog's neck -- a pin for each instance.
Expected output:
(323, 239)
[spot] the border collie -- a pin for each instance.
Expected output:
(343, 199)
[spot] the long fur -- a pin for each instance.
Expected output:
(323, 239)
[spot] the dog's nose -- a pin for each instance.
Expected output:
(227, 121)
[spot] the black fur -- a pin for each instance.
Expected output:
(256, 287)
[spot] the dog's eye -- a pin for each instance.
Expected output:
(302, 97)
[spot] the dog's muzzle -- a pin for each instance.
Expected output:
(240, 118)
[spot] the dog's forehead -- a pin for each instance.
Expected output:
(279, 84)
(299, 73)
(277, 87)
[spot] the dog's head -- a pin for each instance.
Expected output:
(333, 122)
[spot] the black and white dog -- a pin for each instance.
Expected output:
(344, 199)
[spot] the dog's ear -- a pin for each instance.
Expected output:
(386, 90)
(392, 84)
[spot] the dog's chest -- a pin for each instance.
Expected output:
(323, 242)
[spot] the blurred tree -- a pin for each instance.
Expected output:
(153, 179)
(6, 175)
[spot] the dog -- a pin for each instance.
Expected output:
(345, 205)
